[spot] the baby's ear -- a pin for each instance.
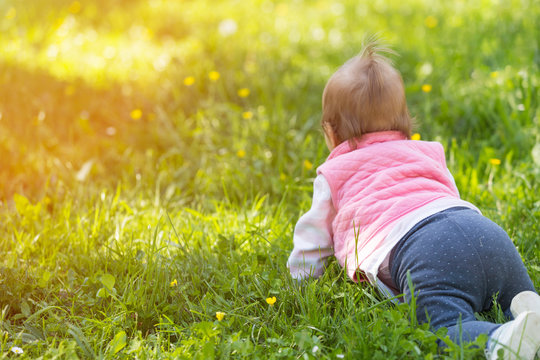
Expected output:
(330, 140)
(330, 136)
(334, 138)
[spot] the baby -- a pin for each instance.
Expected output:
(387, 208)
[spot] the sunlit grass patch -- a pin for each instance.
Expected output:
(155, 156)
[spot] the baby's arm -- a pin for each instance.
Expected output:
(313, 234)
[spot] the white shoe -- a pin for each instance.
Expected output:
(519, 338)
(525, 301)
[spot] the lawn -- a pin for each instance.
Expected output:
(155, 156)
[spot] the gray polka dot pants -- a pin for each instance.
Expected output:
(458, 261)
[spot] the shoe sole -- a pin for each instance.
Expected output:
(525, 301)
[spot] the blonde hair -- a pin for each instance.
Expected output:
(365, 95)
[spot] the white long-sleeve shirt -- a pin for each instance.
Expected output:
(313, 234)
(313, 242)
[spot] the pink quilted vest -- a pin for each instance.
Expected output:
(386, 177)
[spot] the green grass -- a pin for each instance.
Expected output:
(134, 207)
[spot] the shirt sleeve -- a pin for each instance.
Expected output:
(312, 239)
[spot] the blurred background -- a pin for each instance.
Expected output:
(156, 154)
(185, 97)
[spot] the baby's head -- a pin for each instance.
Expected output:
(364, 95)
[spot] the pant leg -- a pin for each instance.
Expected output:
(506, 274)
(458, 260)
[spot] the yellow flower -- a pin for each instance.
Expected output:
(241, 153)
(495, 161)
(415, 136)
(308, 165)
(247, 115)
(431, 21)
(75, 7)
(220, 315)
(189, 80)
(271, 300)
(136, 114)
(243, 92)
(494, 74)
(174, 283)
(11, 13)
(213, 75)
(69, 90)
(426, 88)
(282, 177)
